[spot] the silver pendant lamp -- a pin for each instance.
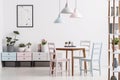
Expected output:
(66, 9)
(59, 20)
(75, 13)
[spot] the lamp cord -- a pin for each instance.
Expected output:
(75, 3)
(59, 8)
(66, 1)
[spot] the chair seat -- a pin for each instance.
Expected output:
(60, 60)
(77, 57)
(86, 59)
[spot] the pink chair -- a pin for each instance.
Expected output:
(55, 62)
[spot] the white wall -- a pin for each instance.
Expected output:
(93, 25)
(1, 23)
(1, 26)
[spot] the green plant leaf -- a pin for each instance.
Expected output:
(16, 32)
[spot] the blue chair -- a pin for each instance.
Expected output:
(95, 56)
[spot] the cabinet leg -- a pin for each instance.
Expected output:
(3, 63)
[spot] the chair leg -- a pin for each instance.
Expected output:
(56, 68)
(91, 68)
(61, 69)
(79, 64)
(80, 67)
(68, 64)
(50, 71)
(99, 69)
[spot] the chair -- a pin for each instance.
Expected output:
(86, 45)
(95, 56)
(55, 62)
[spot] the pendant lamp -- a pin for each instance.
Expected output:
(58, 20)
(75, 13)
(66, 9)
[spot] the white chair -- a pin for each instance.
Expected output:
(55, 62)
(95, 56)
(86, 45)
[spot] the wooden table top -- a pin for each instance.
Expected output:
(70, 48)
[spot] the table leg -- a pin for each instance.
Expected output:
(72, 64)
(85, 64)
(66, 58)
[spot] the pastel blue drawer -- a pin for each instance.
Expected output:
(13, 54)
(8, 58)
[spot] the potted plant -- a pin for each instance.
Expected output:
(43, 45)
(11, 41)
(28, 46)
(22, 47)
(115, 42)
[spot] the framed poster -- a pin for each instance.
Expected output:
(25, 16)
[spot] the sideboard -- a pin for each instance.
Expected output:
(25, 59)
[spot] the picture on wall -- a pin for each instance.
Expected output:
(24, 16)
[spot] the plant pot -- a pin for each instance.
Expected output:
(28, 49)
(21, 49)
(113, 78)
(10, 48)
(116, 47)
(44, 48)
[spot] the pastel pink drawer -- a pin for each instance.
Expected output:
(24, 54)
(24, 58)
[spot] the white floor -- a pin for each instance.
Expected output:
(42, 73)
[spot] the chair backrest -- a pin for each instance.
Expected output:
(52, 50)
(96, 51)
(86, 44)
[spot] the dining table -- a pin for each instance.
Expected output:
(72, 49)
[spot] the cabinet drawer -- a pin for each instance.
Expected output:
(40, 59)
(39, 54)
(24, 54)
(24, 58)
(8, 58)
(9, 54)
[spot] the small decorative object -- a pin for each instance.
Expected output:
(113, 78)
(72, 44)
(69, 43)
(115, 41)
(66, 43)
(39, 47)
(116, 29)
(115, 63)
(43, 45)
(22, 47)
(28, 47)
(11, 41)
(112, 11)
(117, 9)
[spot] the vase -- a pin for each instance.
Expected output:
(44, 48)
(113, 78)
(10, 48)
(116, 47)
(39, 47)
(21, 49)
(28, 50)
